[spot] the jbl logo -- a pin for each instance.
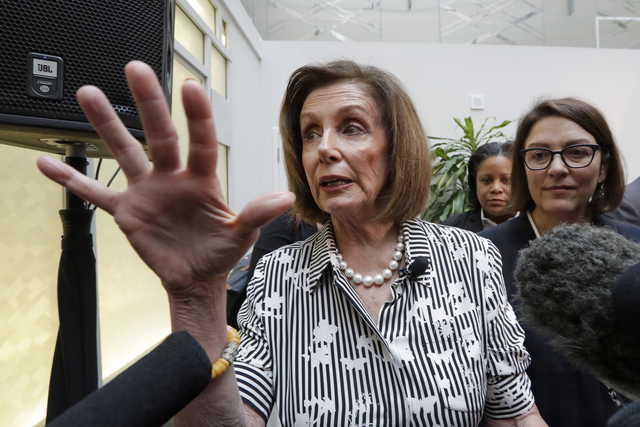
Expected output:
(45, 68)
(46, 76)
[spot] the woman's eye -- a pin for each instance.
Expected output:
(310, 134)
(352, 129)
(577, 152)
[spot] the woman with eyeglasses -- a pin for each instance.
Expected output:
(566, 169)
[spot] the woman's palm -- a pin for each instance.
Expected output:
(174, 217)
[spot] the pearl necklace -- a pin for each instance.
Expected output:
(378, 279)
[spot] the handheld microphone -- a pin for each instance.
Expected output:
(566, 281)
(149, 392)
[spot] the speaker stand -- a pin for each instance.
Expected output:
(74, 372)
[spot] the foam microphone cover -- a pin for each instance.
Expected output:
(564, 282)
(149, 392)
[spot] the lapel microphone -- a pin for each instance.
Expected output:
(417, 267)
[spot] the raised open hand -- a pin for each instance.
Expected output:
(174, 216)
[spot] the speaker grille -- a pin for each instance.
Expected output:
(95, 39)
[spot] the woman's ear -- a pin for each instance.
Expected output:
(603, 170)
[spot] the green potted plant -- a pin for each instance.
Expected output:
(450, 157)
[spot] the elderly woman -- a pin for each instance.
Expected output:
(378, 319)
(489, 182)
(566, 169)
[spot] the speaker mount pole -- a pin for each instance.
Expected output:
(74, 373)
(76, 157)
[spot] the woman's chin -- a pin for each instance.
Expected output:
(501, 214)
(344, 209)
(564, 210)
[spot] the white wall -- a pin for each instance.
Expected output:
(440, 77)
(248, 146)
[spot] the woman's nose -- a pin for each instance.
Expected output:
(328, 147)
(497, 187)
(557, 166)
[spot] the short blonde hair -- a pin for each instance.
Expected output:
(406, 189)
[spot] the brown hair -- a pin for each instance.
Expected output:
(609, 193)
(406, 189)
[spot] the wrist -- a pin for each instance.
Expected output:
(203, 315)
(210, 288)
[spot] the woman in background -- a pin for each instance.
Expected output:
(566, 169)
(489, 177)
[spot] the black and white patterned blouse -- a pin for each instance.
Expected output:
(446, 347)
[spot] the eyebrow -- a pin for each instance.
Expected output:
(341, 111)
(542, 144)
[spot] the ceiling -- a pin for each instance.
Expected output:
(580, 23)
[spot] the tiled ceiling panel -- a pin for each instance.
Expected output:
(516, 22)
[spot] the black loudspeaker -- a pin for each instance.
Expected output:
(50, 48)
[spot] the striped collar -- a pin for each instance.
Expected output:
(324, 261)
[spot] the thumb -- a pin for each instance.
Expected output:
(262, 210)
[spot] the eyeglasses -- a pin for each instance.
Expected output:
(573, 156)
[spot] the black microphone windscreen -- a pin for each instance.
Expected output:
(418, 266)
(629, 416)
(149, 392)
(564, 284)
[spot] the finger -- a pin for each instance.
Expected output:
(82, 186)
(124, 147)
(203, 142)
(160, 133)
(262, 210)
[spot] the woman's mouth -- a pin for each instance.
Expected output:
(333, 182)
(560, 188)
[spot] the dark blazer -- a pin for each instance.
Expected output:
(470, 220)
(629, 210)
(565, 395)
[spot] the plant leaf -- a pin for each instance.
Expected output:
(499, 126)
(448, 190)
(469, 132)
(459, 123)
